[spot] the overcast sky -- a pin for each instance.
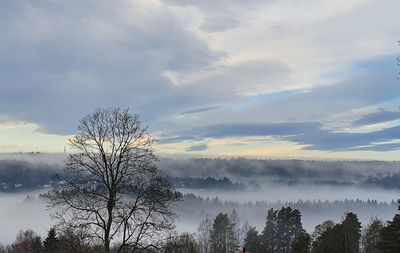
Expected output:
(260, 78)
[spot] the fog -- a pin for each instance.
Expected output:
(22, 211)
(242, 168)
(274, 192)
(321, 190)
(316, 203)
(36, 157)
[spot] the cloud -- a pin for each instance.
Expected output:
(219, 16)
(329, 140)
(60, 61)
(229, 66)
(196, 148)
(198, 110)
(371, 84)
(310, 134)
(380, 116)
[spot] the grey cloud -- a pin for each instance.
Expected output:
(382, 147)
(197, 148)
(322, 103)
(322, 139)
(58, 61)
(199, 110)
(220, 23)
(219, 15)
(248, 76)
(311, 134)
(221, 86)
(241, 130)
(377, 117)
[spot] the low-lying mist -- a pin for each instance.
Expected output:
(321, 190)
(22, 211)
(275, 192)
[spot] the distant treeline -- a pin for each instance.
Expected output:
(229, 174)
(255, 172)
(16, 175)
(288, 169)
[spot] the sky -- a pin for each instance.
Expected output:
(220, 78)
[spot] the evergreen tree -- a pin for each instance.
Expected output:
(243, 232)
(282, 228)
(343, 237)
(351, 233)
(222, 235)
(252, 240)
(51, 242)
(390, 235)
(269, 232)
(302, 244)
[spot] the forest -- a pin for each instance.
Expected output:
(282, 232)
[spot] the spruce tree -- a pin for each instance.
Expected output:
(252, 241)
(51, 242)
(222, 235)
(390, 235)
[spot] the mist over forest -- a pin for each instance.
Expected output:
(238, 174)
(321, 190)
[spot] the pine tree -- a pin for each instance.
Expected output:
(222, 235)
(282, 228)
(351, 233)
(252, 240)
(343, 237)
(390, 239)
(268, 235)
(301, 244)
(51, 242)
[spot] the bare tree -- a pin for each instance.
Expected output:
(112, 187)
(204, 234)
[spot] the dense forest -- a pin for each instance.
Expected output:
(282, 232)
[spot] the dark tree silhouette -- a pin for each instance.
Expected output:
(389, 235)
(281, 230)
(222, 235)
(252, 241)
(113, 188)
(51, 242)
(184, 243)
(302, 244)
(343, 237)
